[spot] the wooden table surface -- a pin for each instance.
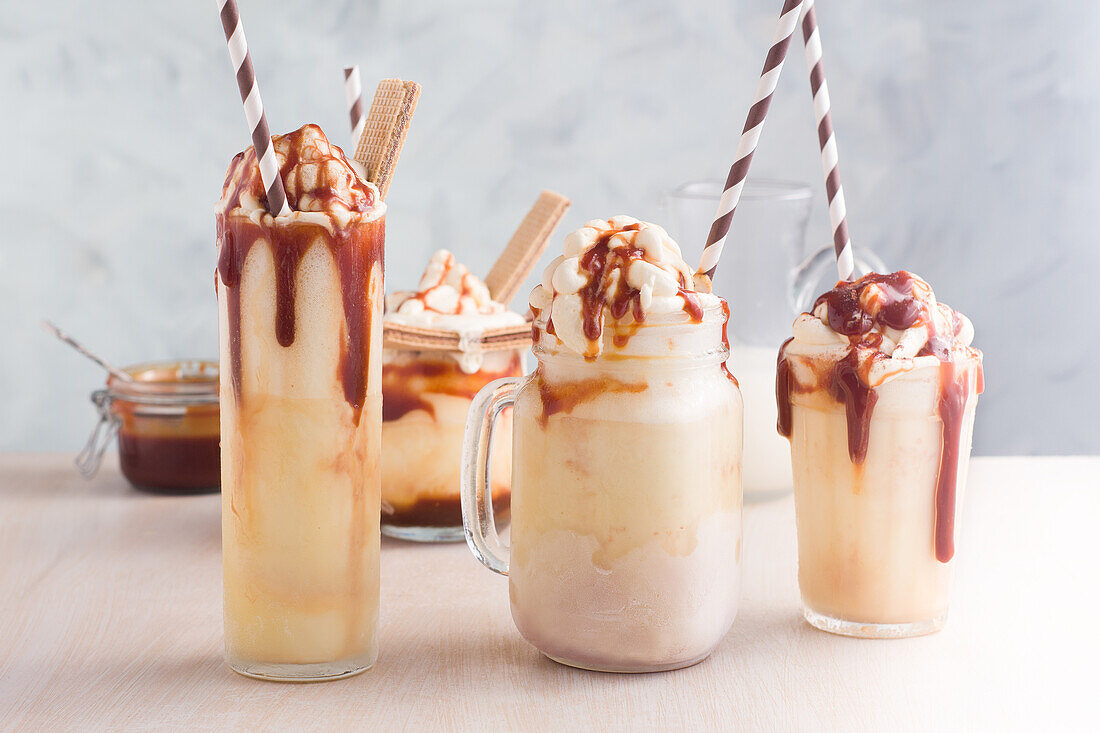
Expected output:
(111, 619)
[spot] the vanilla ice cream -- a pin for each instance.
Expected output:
(876, 391)
(626, 504)
(300, 301)
(426, 394)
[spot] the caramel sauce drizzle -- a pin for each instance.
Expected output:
(565, 397)
(404, 385)
(604, 263)
(355, 250)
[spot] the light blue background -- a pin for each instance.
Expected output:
(967, 134)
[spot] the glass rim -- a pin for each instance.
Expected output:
(203, 389)
(655, 326)
(757, 189)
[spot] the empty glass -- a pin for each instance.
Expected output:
(768, 275)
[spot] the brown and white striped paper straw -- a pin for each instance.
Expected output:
(253, 108)
(750, 135)
(838, 213)
(353, 93)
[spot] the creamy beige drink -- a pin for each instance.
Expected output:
(876, 392)
(626, 481)
(300, 300)
(426, 396)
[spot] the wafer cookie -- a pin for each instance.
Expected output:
(432, 339)
(526, 246)
(385, 129)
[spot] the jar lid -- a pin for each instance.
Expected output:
(178, 382)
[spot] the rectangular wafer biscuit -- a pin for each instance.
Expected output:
(429, 339)
(385, 129)
(526, 246)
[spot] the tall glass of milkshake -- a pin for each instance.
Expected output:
(626, 479)
(426, 395)
(876, 391)
(300, 305)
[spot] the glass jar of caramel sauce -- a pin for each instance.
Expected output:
(167, 424)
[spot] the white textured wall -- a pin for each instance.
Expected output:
(967, 133)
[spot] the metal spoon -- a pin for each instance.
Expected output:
(115, 371)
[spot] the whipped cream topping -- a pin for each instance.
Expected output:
(893, 323)
(615, 272)
(451, 298)
(317, 176)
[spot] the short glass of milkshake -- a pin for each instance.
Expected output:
(426, 395)
(876, 391)
(626, 477)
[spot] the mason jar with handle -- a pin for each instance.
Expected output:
(626, 495)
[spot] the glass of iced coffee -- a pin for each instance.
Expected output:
(626, 476)
(300, 307)
(426, 395)
(876, 391)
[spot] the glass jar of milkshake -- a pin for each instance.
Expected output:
(626, 479)
(426, 394)
(876, 391)
(300, 306)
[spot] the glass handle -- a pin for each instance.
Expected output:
(477, 495)
(804, 279)
(88, 460)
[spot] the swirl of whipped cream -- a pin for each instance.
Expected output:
(317, 176)
(451, 298)
(616, 272)
(893, 322)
